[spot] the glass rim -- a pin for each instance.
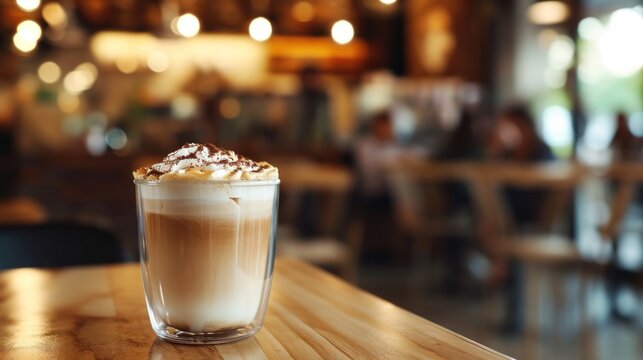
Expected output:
(249, 182)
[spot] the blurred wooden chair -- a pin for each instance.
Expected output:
(421, 203)
(338, 247)
(546, 250)
(628, 178)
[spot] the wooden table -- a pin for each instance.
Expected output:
(99, 313)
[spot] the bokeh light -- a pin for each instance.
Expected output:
(24, 45)
(230, 108)
(28, 5)
(548, 12)
(49, 72)
(29, 30)
(388, 2)
(260, 29)
(126, 64)
(561, 53)
(188, 25)
(95, 141)
(54, 14)
(158, 61)
(557, 130)
(89, 70)
(116, 138)
(620, 46)
(342, 32)
(590, 28)
(303, 11)
(184, 106)
(77, 81)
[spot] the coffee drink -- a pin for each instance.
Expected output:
(207, 243)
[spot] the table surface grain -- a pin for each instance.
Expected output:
(99, 313)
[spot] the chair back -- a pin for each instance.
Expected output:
(332, 184)
(627, 176)
(57, 245)
(557, 181)
(419, 198)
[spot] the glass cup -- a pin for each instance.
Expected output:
(207, 254)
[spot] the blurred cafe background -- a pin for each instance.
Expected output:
(477, 162)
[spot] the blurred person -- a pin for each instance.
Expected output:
(514, 139)
(625, 145)
(464, 143)
(374, 151)
(312, 125)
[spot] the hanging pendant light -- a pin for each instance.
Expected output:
(548, 12)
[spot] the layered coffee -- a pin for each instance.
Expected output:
(207, 221)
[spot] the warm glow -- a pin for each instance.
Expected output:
(241, 60)
(126, 65)
(342, 32)
(158, 61)
(303, 11)
(184, 106)
(68, 103)
(230, 108)
(49, 72)
(22, 44)
(388, 2)
(29, 30)
(28, 5)
(30, 291)
(77, 81)
(620, 46)
(54, 14)
(546, 38)
(187, 25)
(260, 29)
(548, 12)
(89, 70)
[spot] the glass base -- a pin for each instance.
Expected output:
(220, 337)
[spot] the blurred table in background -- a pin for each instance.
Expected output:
(100, 312)
(333, 246)
(558, 241)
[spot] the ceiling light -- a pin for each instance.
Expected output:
(188, 25)
(260, 29)
(342, 32)
(548, 12)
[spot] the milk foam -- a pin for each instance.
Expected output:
(207, 199)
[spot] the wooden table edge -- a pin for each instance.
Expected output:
(337, 280)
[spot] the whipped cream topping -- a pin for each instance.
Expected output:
(206, 162)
